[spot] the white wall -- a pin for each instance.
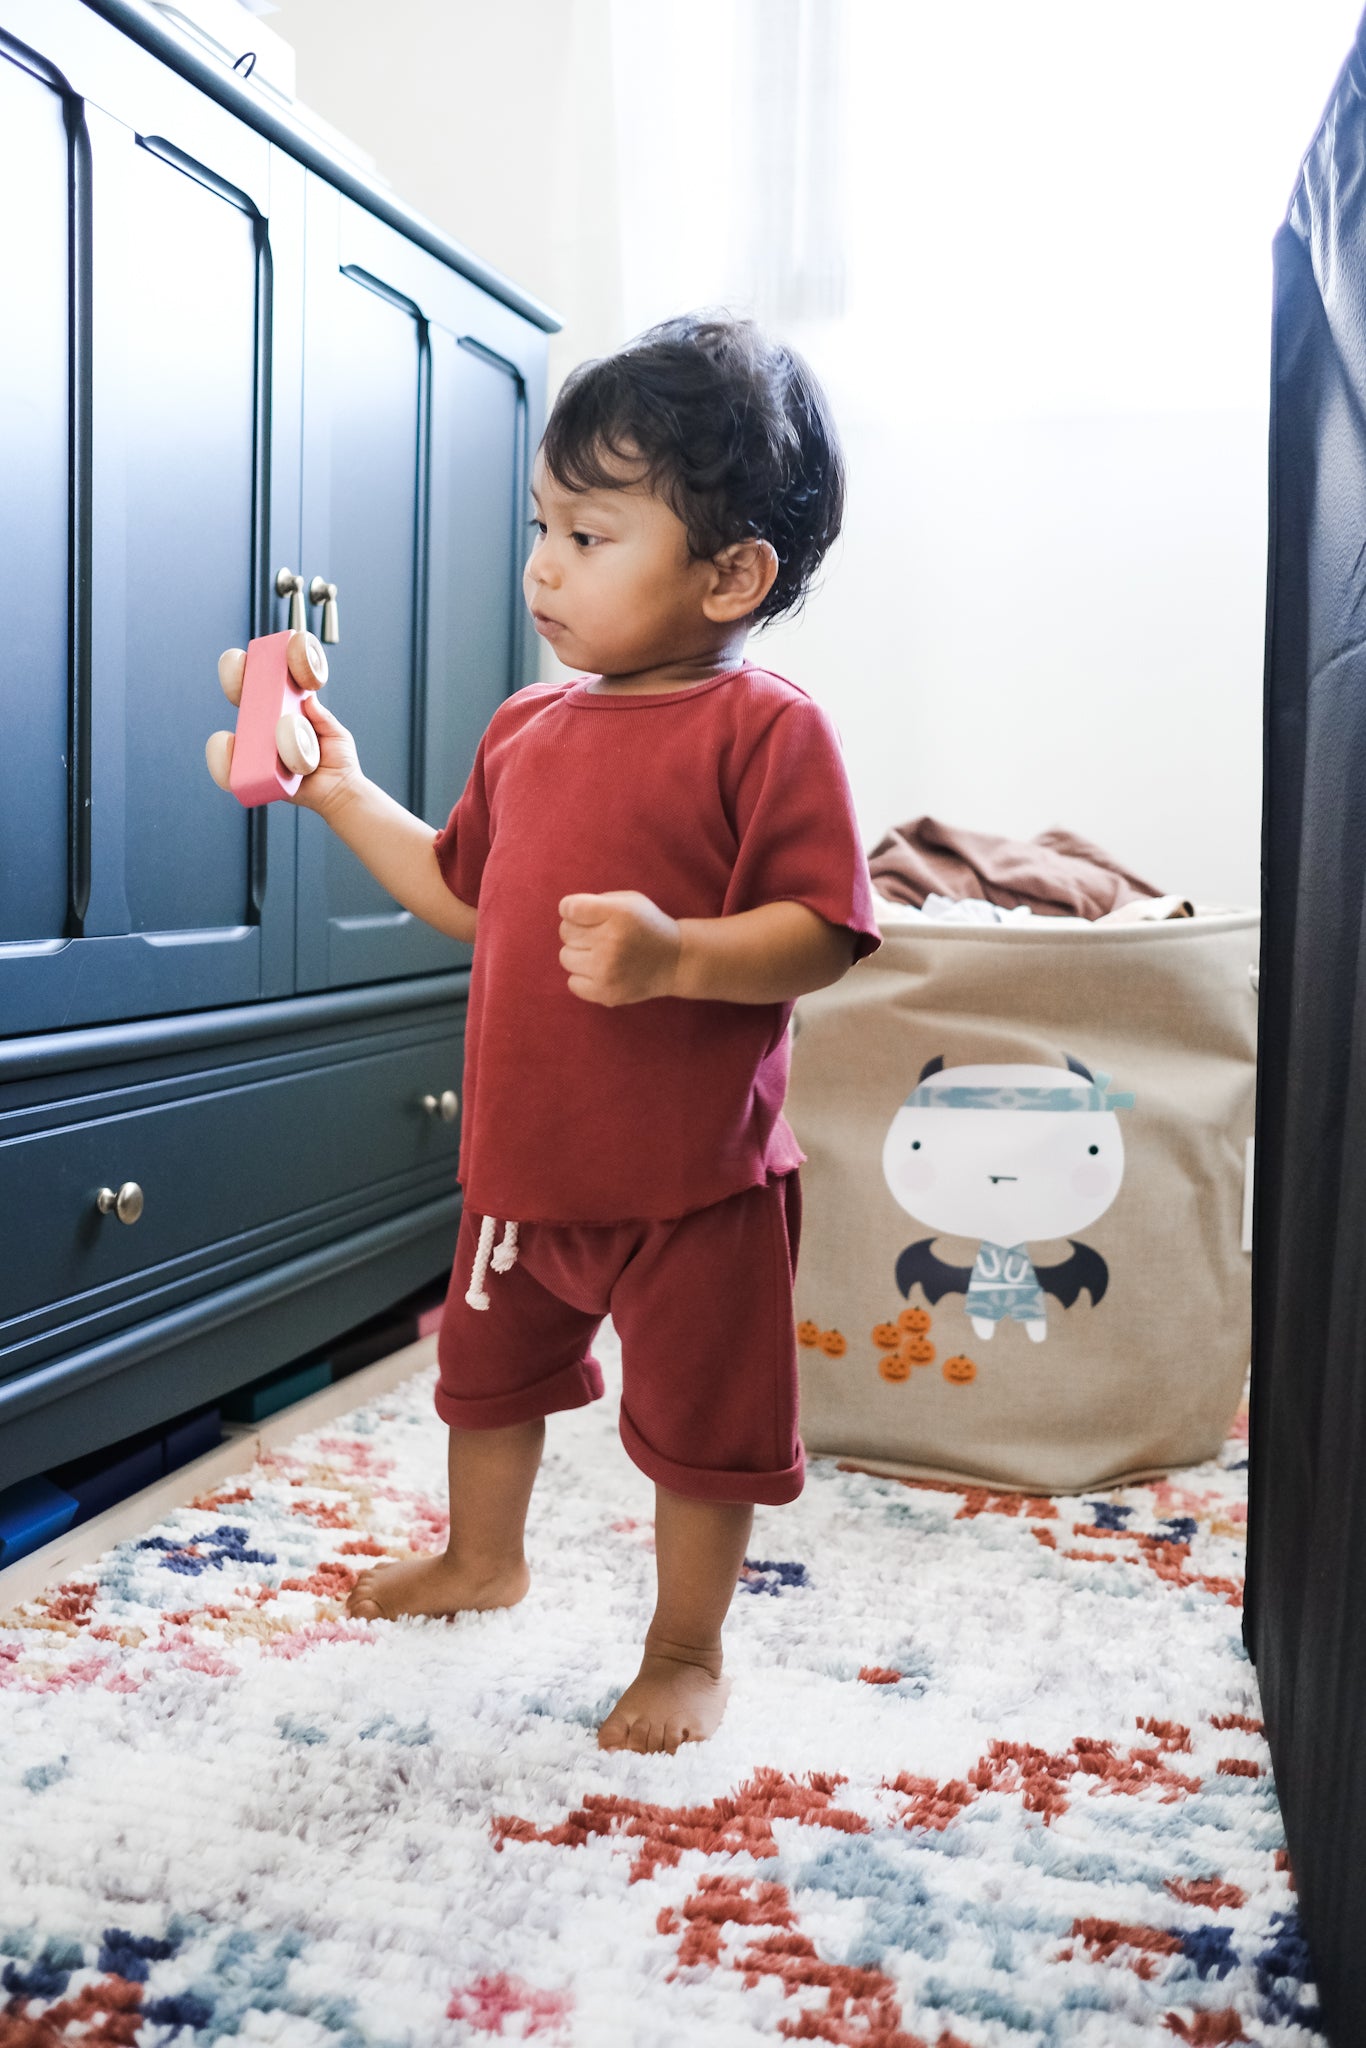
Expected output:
(494, 120)
(1048, 604)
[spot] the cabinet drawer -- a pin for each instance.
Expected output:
(236, 1151)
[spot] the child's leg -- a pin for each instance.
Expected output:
(491, 1474)
(679, 1695)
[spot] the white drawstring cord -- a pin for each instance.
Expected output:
(502, 1260)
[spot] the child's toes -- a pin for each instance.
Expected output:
(362, 1604)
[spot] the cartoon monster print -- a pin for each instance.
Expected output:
(1008, 1155)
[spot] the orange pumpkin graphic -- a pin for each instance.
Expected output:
(808, 1333)
(917, 1351)
(886, 1336)
(893, 1366)
(914, 1322)
(833, 1344)
(959, 1371)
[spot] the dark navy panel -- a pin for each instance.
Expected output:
(169, 904)
(366, 368)
(367, 455)
(140, 1378)
(35, 160)
(234, 1162)
(186, 332)
(480, 514)
(28, 1065)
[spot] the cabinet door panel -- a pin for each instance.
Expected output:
(377, 423)
(415, 437)
(480, 509)
(187, 381)
(144, 889)
(35, 159)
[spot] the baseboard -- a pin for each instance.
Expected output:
(79, 1548)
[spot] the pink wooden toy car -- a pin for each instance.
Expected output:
(274, 746)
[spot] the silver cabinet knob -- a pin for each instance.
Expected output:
(124, 1202)
(290, 585)
(320, 591)
(446, 1105)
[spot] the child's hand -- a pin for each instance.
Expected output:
(618, 947)
(338, 773)
(324, 753)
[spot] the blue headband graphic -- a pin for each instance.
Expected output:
(1078, 1094)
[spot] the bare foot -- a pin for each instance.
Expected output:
(671, 1700)
(434, 1585)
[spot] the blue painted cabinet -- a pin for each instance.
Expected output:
(223, 355)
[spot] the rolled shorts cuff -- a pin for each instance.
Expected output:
(763, 1489)
(574, 1386)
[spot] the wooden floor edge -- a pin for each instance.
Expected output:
(79, 1549)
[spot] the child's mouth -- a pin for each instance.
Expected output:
(545, 625)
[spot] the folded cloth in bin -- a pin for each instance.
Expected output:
(1022, 1258)
(1058, 873)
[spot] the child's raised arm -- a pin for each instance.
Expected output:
(397, 848)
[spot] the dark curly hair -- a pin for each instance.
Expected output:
(728, 426)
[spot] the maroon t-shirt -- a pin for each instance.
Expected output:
(708, 800)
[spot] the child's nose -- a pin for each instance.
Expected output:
(543, 567)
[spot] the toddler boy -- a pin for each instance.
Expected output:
(654, 860)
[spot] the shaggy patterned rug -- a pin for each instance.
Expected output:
(992, 1774)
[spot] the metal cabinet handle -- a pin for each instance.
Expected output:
(290, 585)
(320, 591)
(446, 1105)
(124, 1202)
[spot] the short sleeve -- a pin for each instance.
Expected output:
(799, 838)
(462, 844)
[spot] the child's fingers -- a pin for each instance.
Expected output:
(307, 662)
(314, 708)
(584, 910)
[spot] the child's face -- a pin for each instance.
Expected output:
(611, 584)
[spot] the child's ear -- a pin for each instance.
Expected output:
(742, 576)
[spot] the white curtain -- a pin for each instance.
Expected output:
(787, 255)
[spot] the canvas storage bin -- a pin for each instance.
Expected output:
(1023, 1254)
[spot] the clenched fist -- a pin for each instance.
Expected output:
(618, 948)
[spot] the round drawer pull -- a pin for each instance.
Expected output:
(446, 1105)
(124, 1202)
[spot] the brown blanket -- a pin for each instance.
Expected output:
(1057, 873)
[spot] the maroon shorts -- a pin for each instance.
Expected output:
(703, 1306)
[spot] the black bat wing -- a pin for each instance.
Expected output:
(918, 1263)
(1085, 1269)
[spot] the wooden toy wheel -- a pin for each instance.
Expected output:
(218, 754)
(297, 744)
(232, 670)
(307, 662)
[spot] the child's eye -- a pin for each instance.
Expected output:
(585, 540)
(537, 524)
